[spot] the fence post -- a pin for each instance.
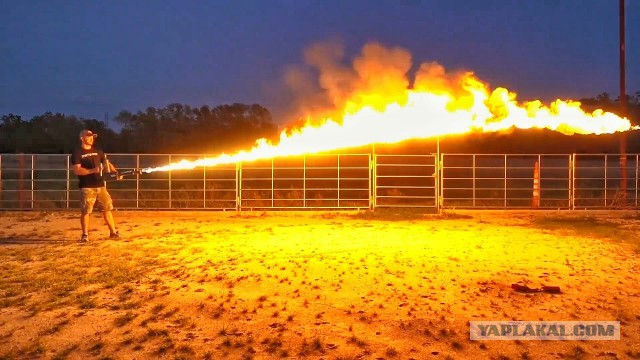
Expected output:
(304, 181)
(204, 187)
(338, 180)
(436, 177)
(68, 180)
(33, 180)
(137, 182)
(505, 181)
(637, 156)
(238, 186)
(473, 175)
(536, 184)
(441, 181)
(572, 181)
(170, 185)
(606, 165)
(1, 179)
(372, 181)
(273, 195)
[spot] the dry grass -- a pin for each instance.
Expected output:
(392, 284)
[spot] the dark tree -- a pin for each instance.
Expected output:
(179, 128)
(9, 133)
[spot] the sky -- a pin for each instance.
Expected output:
(93, 59)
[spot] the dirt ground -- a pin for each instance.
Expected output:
(330, 285)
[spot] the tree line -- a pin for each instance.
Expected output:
(176, 128)
(179, 128)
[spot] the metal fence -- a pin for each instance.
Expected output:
(314, 181)
(569, 181)
(331, 181)
(505, 181)
(36, 181)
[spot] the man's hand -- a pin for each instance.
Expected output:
(97, 169)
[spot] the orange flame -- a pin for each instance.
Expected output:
(436, 105)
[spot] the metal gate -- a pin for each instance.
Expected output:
(405, 181)
(505, 181)
(322, 181)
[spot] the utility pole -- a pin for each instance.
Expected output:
(623, 108)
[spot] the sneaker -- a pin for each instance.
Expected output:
(84, 238)
(115, 235)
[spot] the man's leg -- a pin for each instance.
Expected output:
(108, 219)
(107, 207)
(87, 200)
(84, 223)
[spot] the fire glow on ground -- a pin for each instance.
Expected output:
(336, 285)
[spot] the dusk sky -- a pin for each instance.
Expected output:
(90, 58)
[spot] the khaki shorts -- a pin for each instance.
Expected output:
(88, 197)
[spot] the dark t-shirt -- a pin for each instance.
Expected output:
(88, 159)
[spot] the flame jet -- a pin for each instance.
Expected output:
(383, 108)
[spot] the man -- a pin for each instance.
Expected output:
(88, 164)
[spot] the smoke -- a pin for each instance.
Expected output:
(328, 84)
(382, 75)
(336, 80)
(331, 85)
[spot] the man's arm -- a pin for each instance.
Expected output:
(111, 167)
(107, 163)
(79, 170)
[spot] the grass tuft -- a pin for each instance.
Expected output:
(124, 319)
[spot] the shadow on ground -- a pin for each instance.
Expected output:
(32, 241)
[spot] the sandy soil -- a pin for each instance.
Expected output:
(328, 285)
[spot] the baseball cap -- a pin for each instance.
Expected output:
(85, 133)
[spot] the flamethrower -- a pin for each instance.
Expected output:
(111, 176)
